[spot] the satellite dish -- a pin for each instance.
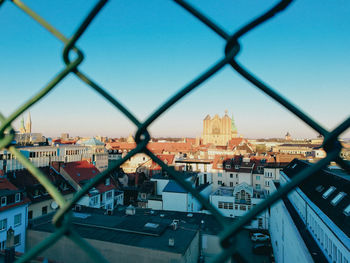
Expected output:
(54, 205)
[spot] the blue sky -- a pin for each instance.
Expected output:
(142, 52)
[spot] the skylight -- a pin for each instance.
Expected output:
(151, 225)
(347, 210)
(319, 188)
(328, 192)
(337, 199)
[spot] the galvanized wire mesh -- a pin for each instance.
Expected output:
(62, 218)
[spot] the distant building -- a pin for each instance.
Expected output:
(288, 137)
(218, 131)
(65, 136)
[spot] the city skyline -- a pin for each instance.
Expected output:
(168, 48)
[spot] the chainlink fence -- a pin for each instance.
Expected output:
(62, 218)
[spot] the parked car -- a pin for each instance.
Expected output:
(258, 230)
(260, 237)
(262, 249)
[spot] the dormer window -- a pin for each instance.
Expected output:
(36, 193)
(18, 197)
(236, 167)
(328, 192)
(3, 201)
(338, 198)
(108, 181)
(228, 166)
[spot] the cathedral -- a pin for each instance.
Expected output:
(28, 127)
(218, 131)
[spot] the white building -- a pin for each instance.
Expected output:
(236, 201)
(42, 156)
(171, 196)
(313, 223)
(79, 174)
(13, 215)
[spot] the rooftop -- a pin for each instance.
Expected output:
(328, 189)
(147, 228)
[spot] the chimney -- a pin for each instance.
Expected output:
(171, 242)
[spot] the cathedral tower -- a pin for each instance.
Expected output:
(218, 131)
(29, 124)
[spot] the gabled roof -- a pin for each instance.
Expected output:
(82, 172)
(6, 189)
(207, 117)
(6, 185)
(23, 179)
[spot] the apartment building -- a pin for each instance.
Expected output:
(313, 223)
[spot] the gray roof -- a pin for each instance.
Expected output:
(173, 187)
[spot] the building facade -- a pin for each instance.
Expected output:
(218, 131)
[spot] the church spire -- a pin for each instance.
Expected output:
(233, 126)
(21, 127)
(29, 124)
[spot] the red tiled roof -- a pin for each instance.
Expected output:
(166, 158)
(83, 170)
(234, 142)
(6, 185)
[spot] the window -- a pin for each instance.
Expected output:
(94, 200)
(219, 182)
(328, 192)
(44, 210)
(231, 175)
(258, 177)
(257, 186)
(18, 197)
(3, 245)
(3, 201)
(3, 224)
(219, 174)
(242, 207)
(267, 183)
(236, 167)
(231, 184)
(17, 240)
(18, 219)
(337, 199)
(30, 214)
(108, 181)
(221, 205)
(109, 195)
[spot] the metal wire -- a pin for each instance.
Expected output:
(62, 218)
